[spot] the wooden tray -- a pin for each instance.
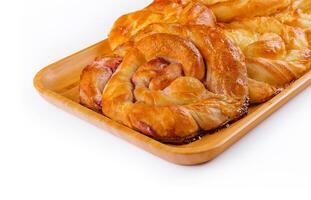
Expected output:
(58, 83)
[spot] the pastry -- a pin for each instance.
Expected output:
(163, 87)
(276, 53)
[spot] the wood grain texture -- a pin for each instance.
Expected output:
(58, 84)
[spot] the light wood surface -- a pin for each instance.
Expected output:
(58, 84)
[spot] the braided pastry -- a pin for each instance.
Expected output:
(276, 54)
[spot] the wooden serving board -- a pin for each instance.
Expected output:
(58, 83)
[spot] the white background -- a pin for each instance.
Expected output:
(46, 153)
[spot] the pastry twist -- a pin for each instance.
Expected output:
(163, 87)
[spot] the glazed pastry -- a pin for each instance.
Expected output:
(276, 54)
(163, 87)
